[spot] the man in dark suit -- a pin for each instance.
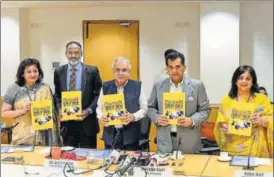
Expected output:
(76, 76)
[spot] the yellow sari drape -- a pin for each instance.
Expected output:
(241, 145)
(23, 132)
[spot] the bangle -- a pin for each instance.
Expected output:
(156, 121)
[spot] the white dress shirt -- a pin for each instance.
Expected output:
(141, 113)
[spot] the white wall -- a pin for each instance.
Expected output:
(10, 47)
(219, 45)
(24, 33)
(256, 41)
(157, 33)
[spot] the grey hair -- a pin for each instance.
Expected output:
(122, 59)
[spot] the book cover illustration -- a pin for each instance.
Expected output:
(41, 115)
(71, 105)
(239, 121)
(174, 106)
(114, 108)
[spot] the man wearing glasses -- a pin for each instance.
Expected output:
(135, 103)
(76, 76)
(185, 136)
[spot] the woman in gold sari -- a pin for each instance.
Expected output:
(244, 89)
(27, 88)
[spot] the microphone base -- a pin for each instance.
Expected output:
(177, 155)
(248, 168)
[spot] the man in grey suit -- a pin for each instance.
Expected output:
(187, 132)
(76, 76)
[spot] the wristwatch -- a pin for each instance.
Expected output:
(89, 110)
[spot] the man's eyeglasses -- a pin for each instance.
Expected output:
(73, 53)
(123, 70)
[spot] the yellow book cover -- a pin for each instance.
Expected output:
(41, 115)
(114, 108)
(239, 122)
(71, 105)
(174, 106)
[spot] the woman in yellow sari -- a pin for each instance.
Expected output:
(27, 88)
(244, 89)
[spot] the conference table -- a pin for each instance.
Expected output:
(191, 165)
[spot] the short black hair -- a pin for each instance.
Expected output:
(20, 80)
(73, 42)
(168, 51)
(174, 55)
(233, 93)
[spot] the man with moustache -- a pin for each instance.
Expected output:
(196, 105)
(136, 106)
(76, 76)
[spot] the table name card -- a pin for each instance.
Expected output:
(245, 173)
(60, 163)
(158, 171)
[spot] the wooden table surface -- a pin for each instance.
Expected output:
(193, 165)
(215, 168)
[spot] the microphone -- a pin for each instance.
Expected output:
(114, 157)
(134, 157)
(248, 167)
(115, 138)
(51, 144)
(176, 155)
(179, 142)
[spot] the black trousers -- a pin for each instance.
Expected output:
(119, 144)
(73, 135)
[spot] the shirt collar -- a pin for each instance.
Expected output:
(170, 81)
(122, 85)
(77, 67)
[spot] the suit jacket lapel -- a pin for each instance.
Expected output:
(64, 78)
(84, 78)
(186, 86)
(166, 85)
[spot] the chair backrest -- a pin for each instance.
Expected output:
(214, 108)
(207, 127)
(8, 121)
(145, 127)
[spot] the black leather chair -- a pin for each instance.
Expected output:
(209, 147)
(145, 132)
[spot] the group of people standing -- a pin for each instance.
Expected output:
(77, 76)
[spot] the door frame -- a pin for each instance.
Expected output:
(85, 32)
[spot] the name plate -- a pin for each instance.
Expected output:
(246, 173)
(158, 171)
(60, 163)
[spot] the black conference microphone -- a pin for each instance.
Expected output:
(51, 144)
(134, 157)
(114, 157)
(179, 142)
(248, 167)
(116, 138)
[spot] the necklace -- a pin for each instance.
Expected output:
(31, 88)
(248, 99)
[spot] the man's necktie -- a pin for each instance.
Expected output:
(72, 83)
